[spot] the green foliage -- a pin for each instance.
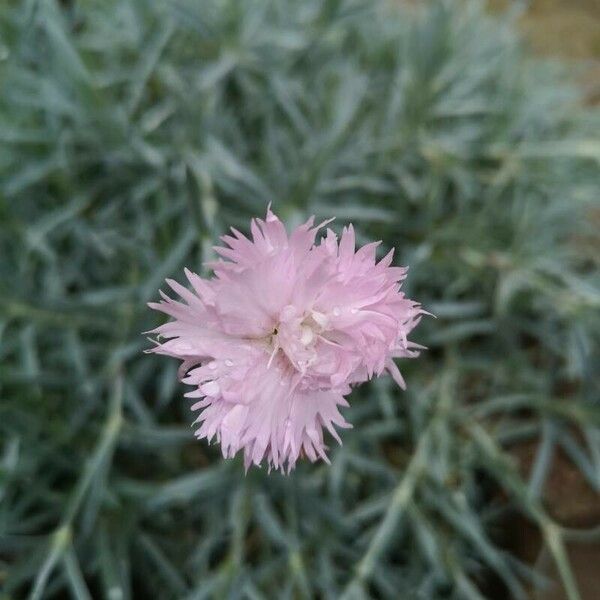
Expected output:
(132, 133)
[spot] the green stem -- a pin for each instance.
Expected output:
(401, 497)
(62, 536)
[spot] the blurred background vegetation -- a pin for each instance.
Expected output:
(132, 133)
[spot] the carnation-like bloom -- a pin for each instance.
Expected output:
(276, 339)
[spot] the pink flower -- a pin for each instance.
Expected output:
(274, 341)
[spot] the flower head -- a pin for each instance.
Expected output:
(273, 342)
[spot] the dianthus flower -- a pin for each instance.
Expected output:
(275, 340)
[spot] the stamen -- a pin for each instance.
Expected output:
(275, 350)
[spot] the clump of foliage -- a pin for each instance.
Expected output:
(133, 133)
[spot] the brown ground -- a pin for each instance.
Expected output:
(569, 29)
(564, 28)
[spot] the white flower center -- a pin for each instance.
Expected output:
(307, 335)
(297, 336)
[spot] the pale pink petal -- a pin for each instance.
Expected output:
(274, 341)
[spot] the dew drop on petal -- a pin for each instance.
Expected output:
(336, 311)
(212, 365)
(229, 363)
